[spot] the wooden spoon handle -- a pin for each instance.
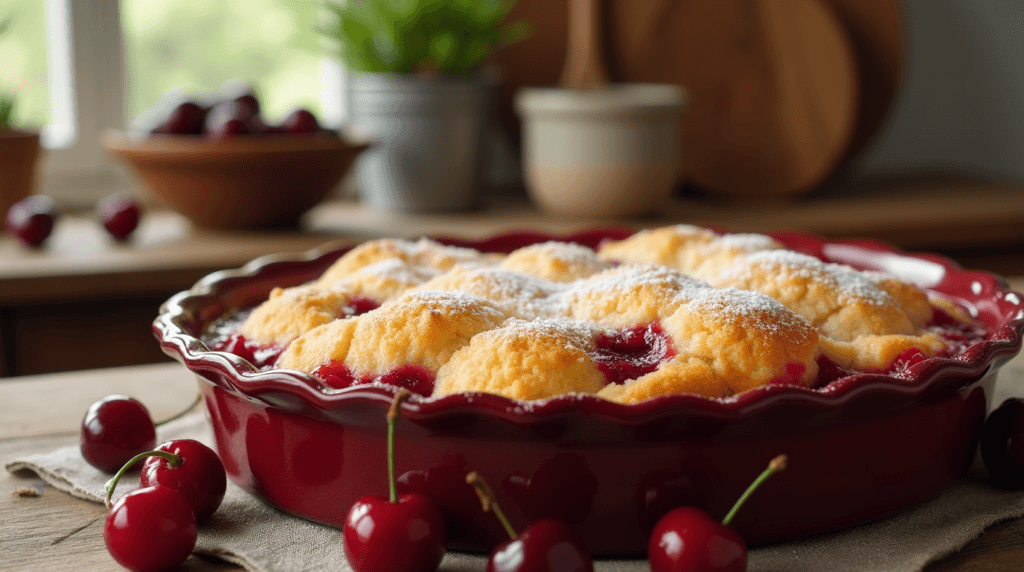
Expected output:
(584, 62)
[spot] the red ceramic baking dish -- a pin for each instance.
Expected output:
(861, 447)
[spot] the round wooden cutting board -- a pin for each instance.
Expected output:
(776, 85)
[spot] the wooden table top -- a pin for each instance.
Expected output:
(167, 254)
(55, 531)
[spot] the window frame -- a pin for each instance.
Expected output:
(85, 56)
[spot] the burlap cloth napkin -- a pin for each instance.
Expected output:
(260, 538)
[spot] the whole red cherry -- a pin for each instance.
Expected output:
(401, 532)
(150, 529)
(185, 119)
(547, 545)
(1002, 445)
(120, 215)
(301, 121)
(228, 129)
(408, 533)
(31, 219)
(115, 429)
(686, 539)
(198, 475)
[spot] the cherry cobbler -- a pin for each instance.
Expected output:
(678, 309)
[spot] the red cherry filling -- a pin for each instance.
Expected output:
(358, 305)
(632, 352)
(259, 355)
(416, 379)
(829, 371)
(794, 375)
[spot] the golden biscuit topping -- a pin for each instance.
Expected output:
(673, 310)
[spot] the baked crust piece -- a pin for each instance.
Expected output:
(687, 248)
(630, 295)
(518, 295)
(841, 302)
(525, 360)
(556, 261)
(421, 328)
(291, 312)
(421, 253)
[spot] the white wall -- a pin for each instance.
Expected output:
(962, 102)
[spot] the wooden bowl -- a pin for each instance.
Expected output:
(242, 183)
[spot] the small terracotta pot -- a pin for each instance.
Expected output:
(19, 159)
(601, 153)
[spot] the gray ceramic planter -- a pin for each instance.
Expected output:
(427, 137)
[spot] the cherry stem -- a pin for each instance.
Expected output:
(393, 414)
(198, 399)
(777, 464)
(173, 461)
(488, 501)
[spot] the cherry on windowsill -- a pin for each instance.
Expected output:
(399, 532)
(150, 529)
(120, 216)
(31, 219)
(1002, 445)
(547, 545)
(686, 539)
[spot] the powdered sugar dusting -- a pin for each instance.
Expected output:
(577, 333)
(572, 255)
(757, 310)
(524, 295)
(747, 242)
(399, 270)
(456, 303)
(851, 285)
(628, 278)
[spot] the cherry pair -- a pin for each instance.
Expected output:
(155, 526)
(31, 220)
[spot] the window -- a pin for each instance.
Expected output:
(193, 46)
(80, 67)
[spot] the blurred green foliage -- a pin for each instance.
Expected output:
(402, 36)
(195, 47)
(23, 67)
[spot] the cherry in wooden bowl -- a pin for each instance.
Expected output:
(241, 182)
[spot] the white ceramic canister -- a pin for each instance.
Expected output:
(612, 152)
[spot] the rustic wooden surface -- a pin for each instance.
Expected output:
(53, 531)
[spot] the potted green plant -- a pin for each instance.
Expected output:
(19, 151)
(416, 89)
